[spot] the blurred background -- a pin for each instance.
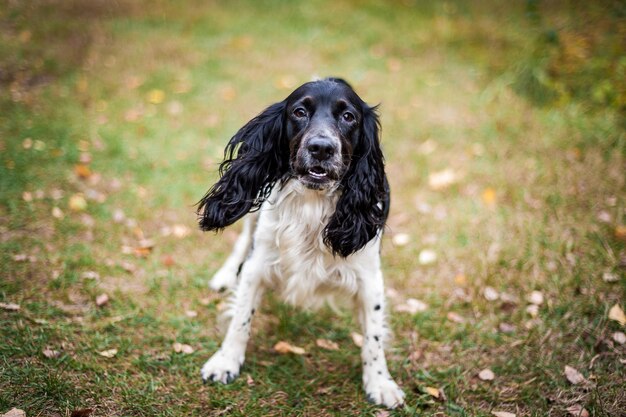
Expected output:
(504, 134)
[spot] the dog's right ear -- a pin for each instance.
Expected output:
(254, 159)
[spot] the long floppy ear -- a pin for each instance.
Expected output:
(254, 159)
(364, 204)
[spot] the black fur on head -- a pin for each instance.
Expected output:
(323, 135)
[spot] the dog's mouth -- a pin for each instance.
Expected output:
(317, 177)
(318, 173)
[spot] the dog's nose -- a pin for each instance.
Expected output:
(321, 148)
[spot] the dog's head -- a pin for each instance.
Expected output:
(323, 125)
(324, 135)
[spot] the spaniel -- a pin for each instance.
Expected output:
(309, 174)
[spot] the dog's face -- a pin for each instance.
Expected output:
(323, 124)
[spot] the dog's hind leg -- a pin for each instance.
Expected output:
(226, 276)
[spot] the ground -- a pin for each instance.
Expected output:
(503, 130)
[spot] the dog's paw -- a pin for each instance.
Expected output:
(385, 392)
(224, 279)
(221, 367)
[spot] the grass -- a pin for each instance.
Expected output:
(523, 101)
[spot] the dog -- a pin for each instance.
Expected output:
(309, 174)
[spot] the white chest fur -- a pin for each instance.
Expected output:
(301, 267)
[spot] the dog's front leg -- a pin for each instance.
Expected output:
(379, 386)
(224, 365)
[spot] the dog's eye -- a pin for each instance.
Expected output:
(299, 112)
(348, 117)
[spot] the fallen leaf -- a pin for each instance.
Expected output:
(535, 297)
(573, 376)
(82, 412)
(168, 261)
(620, 232)
(191, 313)
(454, 317)
(249, 380)
(284, 347)
(619, 337)
(57, 213)
(14, 412)
(108, 353)
(90, 275)
(357, 338)
(401, 239)
(50, 353)
(327, 344)
(411, 306)
(427, 257)
(180, 231)
(616, 313)
(102, 299)
(182, 348)
(486, 375)
(489, 197)
(433, 392)
(82, 171)
(77, 202)
(27, 196)
(460, 279)
(502, 414)
(10, 306)
(490, 294)
(442, 179)
(156, 96)
(533, 310)
(506, 328)
(610, 277)
(577, 410)
(382, 413)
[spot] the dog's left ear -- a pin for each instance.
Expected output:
(254, 159)
(364, 204)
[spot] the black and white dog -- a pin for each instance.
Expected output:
(310, 172)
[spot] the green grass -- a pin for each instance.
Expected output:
(523, 101)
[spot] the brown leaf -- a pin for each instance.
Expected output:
(249, 380)
(182, 348)
(82, 171)
(619, 337)
(433, 392)
(327, 344)
(10, 306)
(14, 412)
(82, 412)
(502, 414)
(357, 338)
(486, 375)
(411, 306)
(168, 261)
(102, 299)
(620, 232)
(489, 197)
(616, 313)
(573, 376)
(109, 353)
(51, 354)
(284, 347)
(577, 410)
(77, 202)
(455, 317)
(535, 297)
(490, 294)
